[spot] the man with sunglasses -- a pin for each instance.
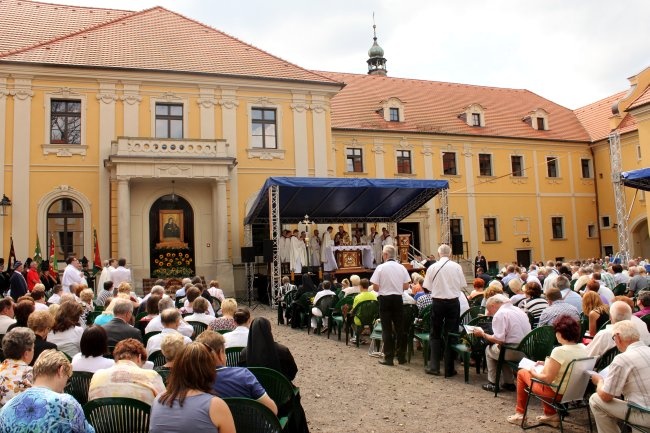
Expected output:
(628, 375)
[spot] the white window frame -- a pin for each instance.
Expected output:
(523, 169)
(496, 227)
(474, 109)
(590, 167)
(393, 102)
(265, 153)
(65, 149)
(562, 226)
(478, 161)
(170, 98)
(363, 165)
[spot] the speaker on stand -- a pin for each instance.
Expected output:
(457, 245)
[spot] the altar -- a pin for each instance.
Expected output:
(352, 256)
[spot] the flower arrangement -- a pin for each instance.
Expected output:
(172, 263)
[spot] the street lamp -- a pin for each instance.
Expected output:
(4, 204)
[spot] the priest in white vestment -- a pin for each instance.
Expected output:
(375, 242)
(326, 255)
(298, 253)
(314, 250)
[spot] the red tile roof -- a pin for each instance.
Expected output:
(25, 23)
(157, 39)
(595, 117)
(641, 100)
(433, 107)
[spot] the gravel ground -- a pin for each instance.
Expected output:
(345, 389)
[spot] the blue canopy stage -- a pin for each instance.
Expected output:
(289, 200)
(340, 200)
(639, 179)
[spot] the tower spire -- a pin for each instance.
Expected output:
(376, 61)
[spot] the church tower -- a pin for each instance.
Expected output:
(376, 61)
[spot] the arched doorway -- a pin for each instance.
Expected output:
(641, 239)
(171, 238)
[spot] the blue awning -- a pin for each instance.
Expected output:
(639, 179)
(344, 200)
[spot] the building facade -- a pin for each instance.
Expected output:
(157, 132)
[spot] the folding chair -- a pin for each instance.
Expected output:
(574, 383)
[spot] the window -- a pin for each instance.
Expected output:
(65, 121)
(490, 226)
(404, 161)
(517, 165)
(557, 226)
(605, 222)
(591, 230)
(476, 119)
(608, 250)
(65, 219)
(394, 114)
(169, 120)
(264, 128)
(354, 160)
(485, 164)
(585, 165)
(455, 227)
(551, 166)
(540, 124)
(449, 163)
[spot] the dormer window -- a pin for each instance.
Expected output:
(537, 119)
(392, 110)
(473, 115)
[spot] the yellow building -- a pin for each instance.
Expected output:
(158, 132)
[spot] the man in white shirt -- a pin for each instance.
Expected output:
(326, 290)
(170, 320)
(618, 312)
(6, 314)
(72, 274)
(121, 274)
(155, 324)
(200, 311)
(510, 325)
(445, 280)
(389, 280)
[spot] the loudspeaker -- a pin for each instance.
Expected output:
(457, 244)
(248, 255)
(268, 250)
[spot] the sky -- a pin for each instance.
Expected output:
(573, 52)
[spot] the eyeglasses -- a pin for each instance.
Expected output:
(614, 336)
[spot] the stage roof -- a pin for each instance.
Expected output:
(344, 200)
(639, 179)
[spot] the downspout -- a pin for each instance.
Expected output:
(600, 239)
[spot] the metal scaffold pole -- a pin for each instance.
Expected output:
(445, 237)
(619, 197)
(274, 232)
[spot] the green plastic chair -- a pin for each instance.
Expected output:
(464, 343)
(78, 385)
(163, 372)
(232, 356)
(606, 358)
(645, 318)
(620, 289)
(279, 388)
(198, 327)
(633, 407)
(367, 312)
(422, 329)
(118, 414)
(336, 314)
(409, 314)
(141, 315)
(574, 381)
(305, 302)
(251, 416)
(91, 316)
(536, 346)
(223, 331)
(147, 336)
(324, 304)
(157, 358)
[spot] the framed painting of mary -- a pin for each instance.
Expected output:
(171, 227)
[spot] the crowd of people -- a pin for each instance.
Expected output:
(47, 335)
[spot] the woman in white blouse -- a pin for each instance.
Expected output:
(93, 348)
(66, 332)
